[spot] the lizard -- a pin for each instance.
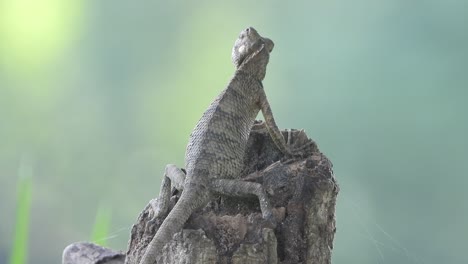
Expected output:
(214, 154)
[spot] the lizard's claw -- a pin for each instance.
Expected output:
(288, 144)
(289, 147)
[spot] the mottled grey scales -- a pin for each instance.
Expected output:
(217, 145)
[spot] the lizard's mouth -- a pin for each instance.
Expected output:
(251, 54)
(265, 43)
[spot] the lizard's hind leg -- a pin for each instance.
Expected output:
(243, 189)
(174, 176)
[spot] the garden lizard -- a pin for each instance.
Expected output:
(216, 148)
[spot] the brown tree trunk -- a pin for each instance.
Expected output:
(302, 190)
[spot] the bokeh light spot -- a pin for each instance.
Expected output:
(34, 33)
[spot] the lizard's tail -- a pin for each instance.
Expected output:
(190, 201)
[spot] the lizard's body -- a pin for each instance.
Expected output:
(217, 145)
(218, 141)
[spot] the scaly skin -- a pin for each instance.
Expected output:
(217, 144)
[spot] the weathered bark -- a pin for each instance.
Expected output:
(89, 253)
(302, 190)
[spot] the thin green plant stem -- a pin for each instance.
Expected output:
(19, 251)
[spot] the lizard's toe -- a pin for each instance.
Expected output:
(149, 227)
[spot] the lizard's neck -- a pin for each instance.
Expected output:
(252, 72)
(255, 64)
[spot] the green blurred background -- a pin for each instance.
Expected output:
(96, 97)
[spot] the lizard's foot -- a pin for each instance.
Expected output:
(298, 144)
(154, 204)
(270, 220)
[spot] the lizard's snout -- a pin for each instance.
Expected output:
(251, 30)
(269, 44)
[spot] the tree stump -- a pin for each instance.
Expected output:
(302, 190)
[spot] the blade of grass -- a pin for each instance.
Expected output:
(19, 252)
(101, 225)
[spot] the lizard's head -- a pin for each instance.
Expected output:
(248, 43)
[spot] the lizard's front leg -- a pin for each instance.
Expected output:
(174, 176)
(273, 130)
(242, 189)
